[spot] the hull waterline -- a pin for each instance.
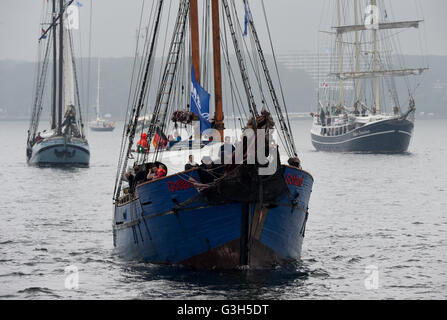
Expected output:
(388, 136)
(59, 151)
(101, 129)
(155, 229)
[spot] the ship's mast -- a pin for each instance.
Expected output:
(195, 42)
(340, 55)
(54, 89)
(377, 71)
(376, 60)
(98, 112)
(61, 65)
(218, 118)
(357, 49)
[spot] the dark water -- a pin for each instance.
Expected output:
(367, 213)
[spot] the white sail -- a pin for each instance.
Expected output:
(69, 87)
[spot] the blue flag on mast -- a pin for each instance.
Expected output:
(247, 18)
(200, 103)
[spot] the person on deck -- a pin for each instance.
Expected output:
(226, 151)
(143, 144)
(323, 121)
(152, 173)
(191, 164)
(161, 172)
(38, 138)
(140, 176)
(206, 172)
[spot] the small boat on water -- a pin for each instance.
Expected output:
(237, 211)
(352, 114)
(100, 124)
(64, 143)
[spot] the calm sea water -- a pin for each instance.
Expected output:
(377, 229)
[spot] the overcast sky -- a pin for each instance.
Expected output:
(294, 25)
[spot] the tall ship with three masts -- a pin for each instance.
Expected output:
(360, 106)
(244, 205)
(64, 142)
(100, 124)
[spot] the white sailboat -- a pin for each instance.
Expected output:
(100, 124)
(64, 143)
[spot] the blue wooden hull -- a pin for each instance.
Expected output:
(60, 151)
(388, 136)
(154, 228)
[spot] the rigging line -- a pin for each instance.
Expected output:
(178, 80)
(37, 72)
(40, 88)
(141, 71)
(41, 80)
(170, 69)
(241, 61)
(148, 30)
(77, 87)
(240, 38)
(233, 80)
(125, 129)
(79, 54)
(37, 75)
(284, 129)
(89, 64)
(225, 50)
(204, 46)
(133, 129)
(278, 75)
(146, 99)
(282, 137)
(165, 42)
(80, 124)
(151, 75)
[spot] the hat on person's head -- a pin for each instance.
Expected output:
(206, 160)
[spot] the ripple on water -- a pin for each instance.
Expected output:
(32, 292)
(365, 210)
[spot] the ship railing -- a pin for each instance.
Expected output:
(336, 128)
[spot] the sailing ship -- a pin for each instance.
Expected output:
(354, 113)
(64, 142)
(224, 214)
(100, 124)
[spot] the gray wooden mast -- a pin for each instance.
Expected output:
(61, 66)
(54, 88)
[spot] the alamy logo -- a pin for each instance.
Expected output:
(372, 280)
(72, 278)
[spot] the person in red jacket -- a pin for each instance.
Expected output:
(143, 144)
(161, 172)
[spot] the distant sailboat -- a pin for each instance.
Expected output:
(352, 112)
(64, 143)
(100, 124)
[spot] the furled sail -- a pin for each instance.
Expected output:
(381, 26)
(380, 73)
(69, 87)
